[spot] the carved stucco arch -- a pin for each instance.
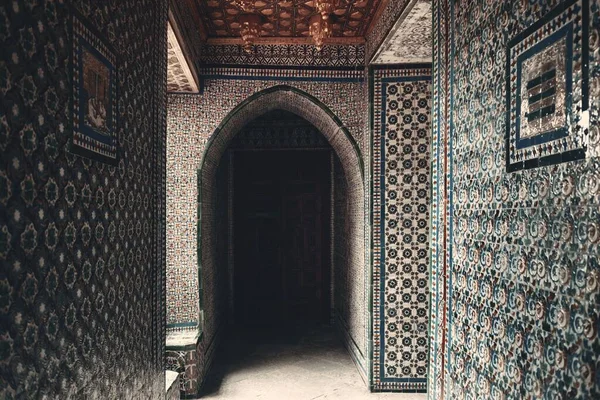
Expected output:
(290, 99)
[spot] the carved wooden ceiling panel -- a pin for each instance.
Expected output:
(286, 18)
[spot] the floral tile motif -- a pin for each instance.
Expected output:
(514, 253)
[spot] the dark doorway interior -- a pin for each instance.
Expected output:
(282, 237)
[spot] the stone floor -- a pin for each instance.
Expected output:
(306, 364)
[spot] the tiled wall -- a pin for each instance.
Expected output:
(341, 293)
(81, 276)
(401, 213)
(350, 298)
(185, 145)
(192, 119)
(515, 282)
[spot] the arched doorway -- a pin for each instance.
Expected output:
(348, 242)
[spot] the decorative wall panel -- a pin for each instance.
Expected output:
(348, 295)
(191, 364)
(95, 96)
(401, 180)
(515, 257)
(81, 277)
(547, 90)
(439, 204)
(293, 100)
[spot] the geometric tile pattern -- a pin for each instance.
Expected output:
(350, 274)
(81, 289)
(344, 287)
(189, 363)
(191, 120)
(183, 150)
(186, 354)
(189, 126)
(287, 74)
(409, 41)
(285, 55)
(439, 204)
(401, 181)
(515, 255)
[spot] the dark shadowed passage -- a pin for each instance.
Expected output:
(282, 240)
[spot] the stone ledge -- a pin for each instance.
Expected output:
(183, 340)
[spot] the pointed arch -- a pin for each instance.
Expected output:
(304, 105)
(290, 99)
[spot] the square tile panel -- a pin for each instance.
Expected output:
(547, 90)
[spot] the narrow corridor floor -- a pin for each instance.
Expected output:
(294, 364)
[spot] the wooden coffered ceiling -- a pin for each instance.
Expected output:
(283, 21)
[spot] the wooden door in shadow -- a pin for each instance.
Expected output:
(282, 236)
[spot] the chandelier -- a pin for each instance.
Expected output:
(245, 5)
(319, 24)
(250, 30)
(319, 29)
(325, 7)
